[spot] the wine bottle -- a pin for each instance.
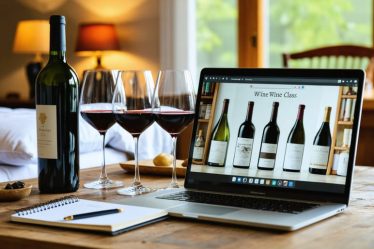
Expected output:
(344, 154)
(57, 117)
(347, 111)
(198, 149)
(321, 146)
(293, 157)
(269, 142)
(244, 142)
(351, 91)
(220, 139)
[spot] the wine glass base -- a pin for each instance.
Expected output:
(173, 185)
(135, 190)
(106, 184)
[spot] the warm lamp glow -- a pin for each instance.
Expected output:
(96, 38)
(32, 36)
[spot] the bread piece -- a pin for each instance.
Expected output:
(163, 159)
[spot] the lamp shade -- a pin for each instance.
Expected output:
(97, 37)
(32, 36)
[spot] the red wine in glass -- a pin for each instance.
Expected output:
(132, 108)
(134, 121)
(97, 110)
(101, 120)
(174, 107)
(174, 122)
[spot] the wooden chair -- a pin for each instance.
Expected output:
(344, 56)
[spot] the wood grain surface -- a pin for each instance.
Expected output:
(352, 229)
(147, 167)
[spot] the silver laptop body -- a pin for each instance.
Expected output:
(328, 193)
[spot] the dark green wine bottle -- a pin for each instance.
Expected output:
(321, 146)
(220, 139)
(57, 117)
(293, 158)
(244, 142)
(269, 142)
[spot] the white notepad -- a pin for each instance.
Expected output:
(53, 213)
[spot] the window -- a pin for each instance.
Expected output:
(216, 35)
(300, 25)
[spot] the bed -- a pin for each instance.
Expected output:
(18, 153)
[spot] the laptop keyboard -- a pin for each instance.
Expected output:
(242, 202)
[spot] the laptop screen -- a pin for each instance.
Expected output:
(274, 132)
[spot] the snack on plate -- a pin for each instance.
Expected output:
(15, 185)
(163, 159)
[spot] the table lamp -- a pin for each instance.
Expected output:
(96, 38)
(32, 37)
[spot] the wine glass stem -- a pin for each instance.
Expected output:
(103, 175)
(174, 173)
(137, 174)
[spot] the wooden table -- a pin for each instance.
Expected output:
(352, 229)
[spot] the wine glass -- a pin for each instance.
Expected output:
(174, 106)
(133, 112)
(96, 109)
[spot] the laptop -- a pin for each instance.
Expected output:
(280, 153)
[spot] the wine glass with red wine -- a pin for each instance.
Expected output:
(96, 109)
(133, 112)
(174, 106)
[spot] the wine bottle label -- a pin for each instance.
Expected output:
(243, 151)
(293, 158)
(267, 155)
(217, 152)
(266, 163)
(319, 156)
(46, 119)
(198, 153)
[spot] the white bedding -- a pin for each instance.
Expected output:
(87, 160)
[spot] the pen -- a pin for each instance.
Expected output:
(93, 214)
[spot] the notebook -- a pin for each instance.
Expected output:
(52, 214)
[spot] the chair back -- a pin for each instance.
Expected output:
(344, 56)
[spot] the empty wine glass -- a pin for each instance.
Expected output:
(174, 106)
(96, 109)
(133, 112)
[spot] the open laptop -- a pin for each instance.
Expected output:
(290, 175)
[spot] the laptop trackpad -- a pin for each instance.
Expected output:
(202, 209)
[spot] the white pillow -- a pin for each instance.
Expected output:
(89, 138)
(18, 137)
(152, 141)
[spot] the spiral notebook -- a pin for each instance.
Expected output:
(52, 213)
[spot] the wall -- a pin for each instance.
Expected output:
(137, 23)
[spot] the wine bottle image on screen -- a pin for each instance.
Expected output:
(57, 117)
(321, 146)
(198, 150)
(220, 139)
(293, 158)
(269, 142)
(244, 142)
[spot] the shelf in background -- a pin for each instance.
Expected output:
(349, 96)
(203, 120)
(345, 123)
(206, 97)
(341, 148)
